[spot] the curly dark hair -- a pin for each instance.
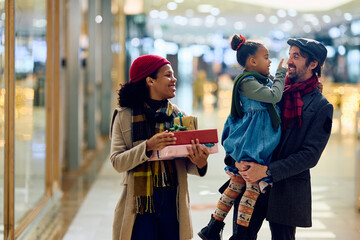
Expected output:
(248, 48)
(134, 94)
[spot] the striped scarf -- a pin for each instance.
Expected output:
(146, 123)
(292, 102)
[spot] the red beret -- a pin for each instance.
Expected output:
(145, 65)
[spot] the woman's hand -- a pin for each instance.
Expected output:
(198, 154)
(251, 172)
(160, 140)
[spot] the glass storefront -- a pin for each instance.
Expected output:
(29, 176)
(30, 114)
(33, 119)
(2, 115)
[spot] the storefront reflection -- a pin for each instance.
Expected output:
(30, 118)
(2, 114)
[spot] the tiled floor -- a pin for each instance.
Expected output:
(334, 192)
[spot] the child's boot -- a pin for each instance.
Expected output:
(212, 230)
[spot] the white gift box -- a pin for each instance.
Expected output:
(179, 151)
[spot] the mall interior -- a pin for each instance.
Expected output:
(62, 63)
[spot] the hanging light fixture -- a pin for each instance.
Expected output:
(133, 7)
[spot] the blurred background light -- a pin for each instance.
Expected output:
(334, 32)
(260, 18)
(172, 6)
(341, 50)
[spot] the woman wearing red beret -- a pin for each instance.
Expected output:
(154, 203)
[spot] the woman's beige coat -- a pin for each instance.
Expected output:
(125, 157)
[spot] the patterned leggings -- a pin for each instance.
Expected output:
(247, 202)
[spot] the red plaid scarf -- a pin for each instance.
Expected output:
(292, 102)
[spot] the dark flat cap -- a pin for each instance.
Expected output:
(310, 46)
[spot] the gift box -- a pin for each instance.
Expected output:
(179, 151)
(204, 136)
(190, 122)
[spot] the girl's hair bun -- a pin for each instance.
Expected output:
(236, 40)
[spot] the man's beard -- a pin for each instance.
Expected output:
(295, 75)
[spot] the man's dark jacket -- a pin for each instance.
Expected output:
(298, 151)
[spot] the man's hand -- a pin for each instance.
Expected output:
(320, 86)
(198, 154)
(254, 171)
(241, 166)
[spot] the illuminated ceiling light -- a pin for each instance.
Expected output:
(163, 15)
(315, 21)
(281, 13)
(179, 1)
(273, 20)
(308, 16)
(154, 13)
(292, 12)
(221, 21)
(210, 20)
(341, 50)
(355, 27)
(343, 28)
(158, 32)
(307, 28)
(287, 26)
(348, 16)
(159, 44)
(278, 34)
(204, 8)
(326, 19)
(311, 18)
(260, 18)
(215, 11)
(196, 22)
(135, 42)
(172, 6)
(39, 23)
(330, 51)
(98, 19)
(239, 25)
(180, 20)
(133, 7)
(189, 13)
(334, 32)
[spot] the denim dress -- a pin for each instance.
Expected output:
(250, 138)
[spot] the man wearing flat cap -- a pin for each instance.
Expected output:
(306, 126)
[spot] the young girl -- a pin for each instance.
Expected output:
(251, 132)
